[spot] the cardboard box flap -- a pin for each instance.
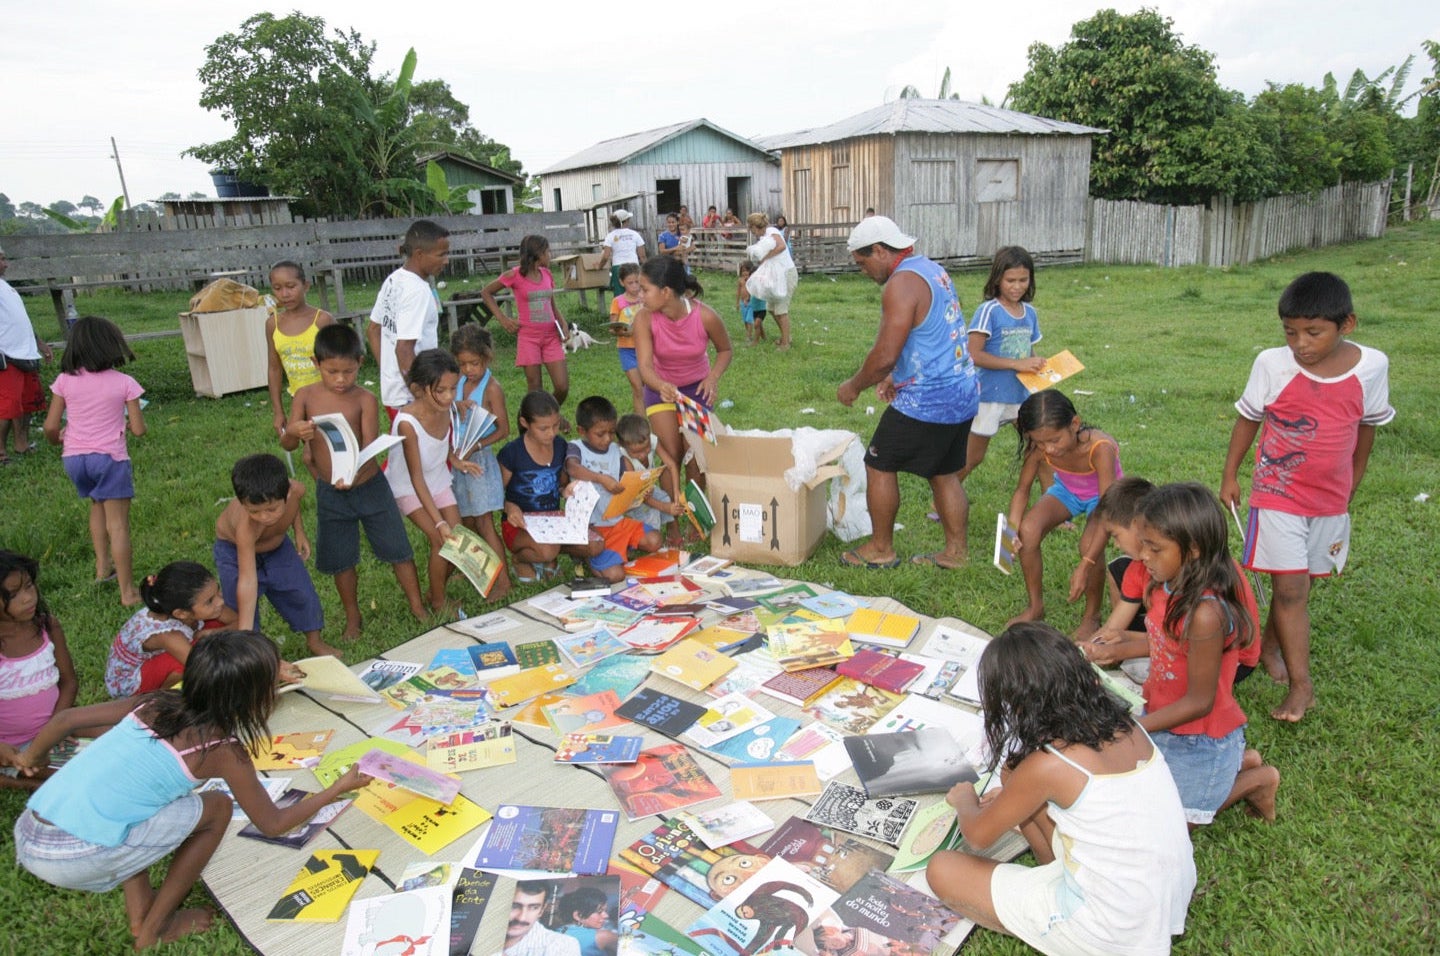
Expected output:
(764, 456)
(823, 474)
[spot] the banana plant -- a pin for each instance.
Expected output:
(107, 222)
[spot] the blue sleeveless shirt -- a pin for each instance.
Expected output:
(934, 377)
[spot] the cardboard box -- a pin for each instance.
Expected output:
(226, 350)
(758, 519)
(581, 271)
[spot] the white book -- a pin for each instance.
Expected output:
(346, 455)
(468, 431)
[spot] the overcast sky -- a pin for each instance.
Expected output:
(549, 79)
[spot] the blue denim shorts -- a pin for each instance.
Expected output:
(71, 863)
(1075, 505)
(628, 361)
(1204, 769)
(100, 477)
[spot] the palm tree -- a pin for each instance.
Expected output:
(913, 93)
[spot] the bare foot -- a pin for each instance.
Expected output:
(500, 589)
(1029, 614)
(181, 924)
(1261, 803)
(1088, 626)
(420, 612)
(131, 599)
(352, 629)
(1274, 663)
(1300, 699)
(446, 609)
(319, 648)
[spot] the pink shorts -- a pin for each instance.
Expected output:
(538, 348)
(409, 504)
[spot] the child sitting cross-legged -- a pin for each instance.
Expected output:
(596, 457)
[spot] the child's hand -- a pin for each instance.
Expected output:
(612, 486)
(1230, 493)
(290, 673)
(672, 508)
(514, 516)
(1034, 363)
(302, 547)
(303, 430)
(465, 466)
(352, 779)
(962, 796)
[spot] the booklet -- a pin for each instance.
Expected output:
(419, 920)
(909, 762)
(329, 676)
(382, 675)
(293, 751)
(570, 526)
(346, 455)
(769, 908)
(835, 859)
(475, 558)
(634, 486)
(598, 748)
(1005, 546)
(722, 826)
(845, 808)
(1058, 368)
(468, 431)
(297, 836)
(323, 887)
(417, 778)
(548, 840)
(661, 780)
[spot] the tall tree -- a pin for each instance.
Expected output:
(1174, 133)
(95, 206)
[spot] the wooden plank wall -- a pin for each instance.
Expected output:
(1228, 233)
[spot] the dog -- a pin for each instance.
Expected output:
(579, 339)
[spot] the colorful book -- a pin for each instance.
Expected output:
(296, 837)
(909, 762)
(832, 604)
(293, 751)
(886, 906)
(323, 887)
(933, 828)
(584, 649)
(752, 668)
(846, 808)
(472, 554)
(634, 486)
(492, 660)
(593, 712)
(774, 781)
(652, 936)
(598, 748)
(420, 917)
(469, 898)
(333, 765)
(537, 654)
(879, 669)
(1006, 545)
(443, 681)
(674, 855)
(621, 673)
(382, 675)
(652, 634)
(802, 687)
(489, 745)
(758, 744)
(809, 644)
(886, 628)
(408, 775)
(822, 745)
(601, 612)
(532, 682)
(1058, 367)
(852, 707)
(727, 717)
(835, 859)
(695, 417)
(548, 840)
(662, 780)
(725, 825)
(693, 664)
(669, 715)
(657, 565)
(533, 713)
(763, 914)
(787, 599)
(430, 826)
(705, 566)
(455, 658)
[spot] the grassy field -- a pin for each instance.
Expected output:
(1352, 864)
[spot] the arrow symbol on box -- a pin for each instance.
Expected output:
(774, 525)
(725, 510)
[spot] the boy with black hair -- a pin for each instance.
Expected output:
(1314, 404)
(406, 318)
(254, 556)
(595, 457)
(340, 509)
(642, 452)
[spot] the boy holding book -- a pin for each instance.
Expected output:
(342, 509)
(595, 457)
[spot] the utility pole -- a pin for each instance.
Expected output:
(115, 155)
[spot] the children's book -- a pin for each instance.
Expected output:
(346, 455)
(333, 765)
(381, 675)
(678, 858)
(634, 486)
(430, 827)
(621, 673)
(787, 599)
(591, 646)
(530, 840)
(488, 745)
(484, 627)
(835, 859)
(652, 936)
(298, 836)
(697, 507)
(274, 787)
(1058, 368)
(667, 588)
(417, 778)
(727, 717)
(879, 669)
(836, 604)
(600, 611)
(967, 688)
(474, 557)
(329, 676)
(765, 914)
(662, 780)
(457, 658)
(1005, 545)
(467, 431)
(753, 585)
(909, 762)
(916, 713)
(471, 894)
(884, 905)
(533, 713)
(774, 781)
(493, 660)
(886, 628)
(723, 639)
(933, 680)
(695, 417)
(853, 707)
(293, 751)
(723, 826)
(556, 603)
(797, 647)
(652, 634)
(822, 745)
(589, 588)
(442, 681)
(693, 664)
(669, 715)
(323, 887)
(758, 744)
(508, 691)
(571, 526)
(933, 828)
(846, 808)
(598, 748)
(537, 653)
(591, 713)
(705, 566)
(418, 920)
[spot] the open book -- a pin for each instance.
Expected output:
(474, 557)
(468, 431)
(346, 455)
(1057, 368)
(634, 485)
(329, 676)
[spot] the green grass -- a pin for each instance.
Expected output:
(1351, 865)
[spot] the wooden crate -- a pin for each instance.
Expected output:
(226, 350)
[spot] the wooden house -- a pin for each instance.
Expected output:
(654, 172)
(491, 192)
(963, 178)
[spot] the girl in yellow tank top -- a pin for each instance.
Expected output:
(290, 335)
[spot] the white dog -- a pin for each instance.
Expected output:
(579, 339)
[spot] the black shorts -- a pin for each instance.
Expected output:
(1117, 569)
(927, 449)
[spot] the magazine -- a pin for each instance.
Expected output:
(298, 836)
(1005, 546)
(570, 526)
(835, 859)
(674, 855)
(468, 431)
(909, 762)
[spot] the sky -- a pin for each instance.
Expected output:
(564, 75)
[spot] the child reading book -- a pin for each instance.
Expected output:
(596, 457)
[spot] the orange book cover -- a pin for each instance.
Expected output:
(1057, 368)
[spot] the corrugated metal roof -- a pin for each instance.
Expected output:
(618, 150)
(928, 116)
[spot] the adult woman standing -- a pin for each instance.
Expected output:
(622, 245)
(775, 276)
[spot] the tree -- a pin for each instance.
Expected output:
(913, 92)
(64, 207)
(32, 210)
(92, 204)
(1173, 133)
(197, 194)
(170, 197)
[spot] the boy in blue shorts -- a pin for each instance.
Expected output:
(255, 557)
(340, 509)
(1314, 404)
(596, 457)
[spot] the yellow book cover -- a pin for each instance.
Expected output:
(811, 644)
(430, 826)
(694, 664)
(324, 886)
(293, 751)
(774, 781)
(533, 713)
(508, 691)
(443, 681)
(882, 627)
(329, 676)
(1057, 368)
(467, 750)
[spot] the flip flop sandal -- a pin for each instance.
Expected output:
(853, 559)
(932, 560)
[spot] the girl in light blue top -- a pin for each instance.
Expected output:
(127, 800)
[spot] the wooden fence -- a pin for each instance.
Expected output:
(1227, 233)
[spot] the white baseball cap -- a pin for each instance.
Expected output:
(875, 229)
(624, 215)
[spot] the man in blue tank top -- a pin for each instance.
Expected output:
(919, 365)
